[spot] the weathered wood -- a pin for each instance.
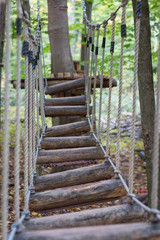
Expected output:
(126, 231)
(68, 142)
(67, 129)
(73, 154)
(63, 197)
(103, 216)
(65, 86)
(66, 111)
(66, 101)
(74, 177)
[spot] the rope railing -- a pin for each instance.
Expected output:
(34, 127)
(96, 131)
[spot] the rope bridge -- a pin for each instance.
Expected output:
(59, 144)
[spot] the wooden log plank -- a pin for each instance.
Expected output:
(69, 155)
(66, 111)
(126, 231)
(74, 177)
(68, 142)
(67, 129)
(61, 87)
(80, 194)
(66, 101)
(103, 216)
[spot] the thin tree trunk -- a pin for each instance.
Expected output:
(2, 32)
(146, 89)
(59, 37)
(89, 5)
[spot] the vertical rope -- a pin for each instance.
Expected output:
(113, 16)
(34, 115)
(5, 168)
(89, 41)
(17, 143)
(30, 115)
(95, 79)
(101, 80)
(37, 110)
(26, 159)
(90, 75)
(131, 162)
(123, 35)
(155, 161)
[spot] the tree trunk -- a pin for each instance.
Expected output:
(146, 89)
(2, 31)
(89, 13)
(59, 37)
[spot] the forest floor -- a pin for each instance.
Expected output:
(140, 178)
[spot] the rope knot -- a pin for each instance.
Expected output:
(93, 27)
(98, 27)
(124, 3)
(113, 16)
(105, 23)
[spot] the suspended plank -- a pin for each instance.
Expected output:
(74, 177)
(102, 216)
(68, 142)
(67, 129)
(86, 193)
(61, 87)
(69, 155)
(66, 111)
(66, 101)
(127, 231)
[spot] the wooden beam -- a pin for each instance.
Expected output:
(66, 101)
(73, 177)
(102, 216)
(68, 142)
(69, 155)
(63, 197)
(67, 129)
(127, 231)
(61, 87)
(66, 111)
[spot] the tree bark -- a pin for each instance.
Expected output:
(59, 37)
(102, 216)
(146, 89)
(89, 13)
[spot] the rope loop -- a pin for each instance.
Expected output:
(98, 27)
(105, 23)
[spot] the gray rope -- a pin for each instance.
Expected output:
(123, 21)
(110, 85)
(131, 162)
(101, 85)
(5, 163)
(95, 80)
(17, 143)
(155, 161)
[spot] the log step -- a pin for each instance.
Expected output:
(74, 177)
(103, 216)
(66, 111)
(67, 129)
(125, 231)
(69, 155)
(61, 87)
(66, 101)
(75, 195)
(68, 142)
